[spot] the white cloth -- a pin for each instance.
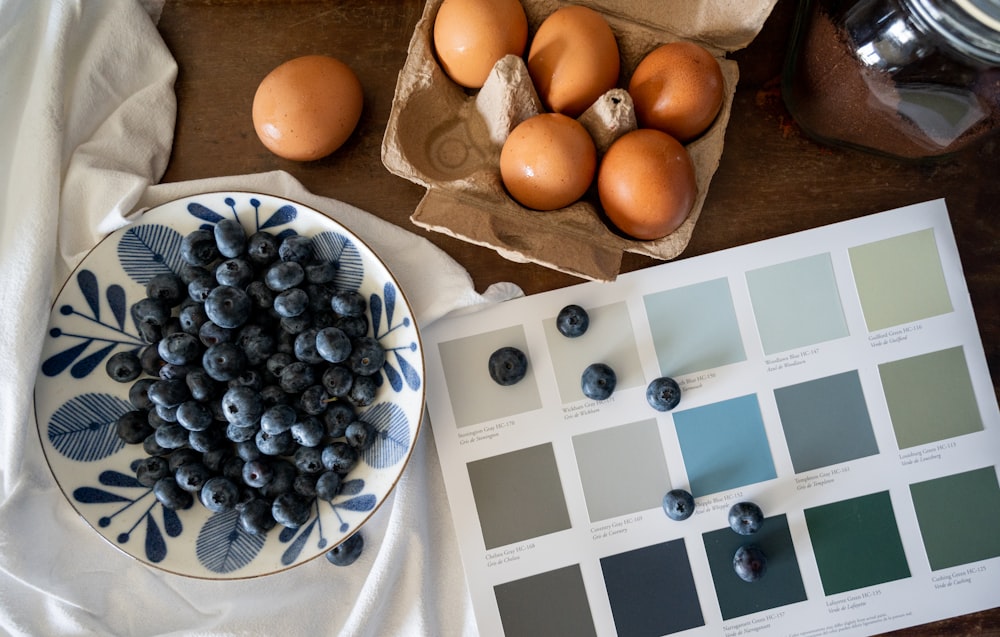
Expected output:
(87, 114)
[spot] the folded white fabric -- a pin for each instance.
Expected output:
(86, 114)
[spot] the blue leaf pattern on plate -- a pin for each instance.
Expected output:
(150, 249)
(393, 441)
(83, 429)
(333, 246)
(223, 546)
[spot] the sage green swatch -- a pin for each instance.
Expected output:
(930, 397)
(900, 280)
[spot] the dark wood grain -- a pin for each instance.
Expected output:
(771, 181)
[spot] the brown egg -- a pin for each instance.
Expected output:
(307, 107)
(548, 161)
(646, 184)
(471, 35)
(573, 59)
(677, 88)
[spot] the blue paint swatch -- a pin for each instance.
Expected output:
(796, 303)
(694, 328)
(724, 445)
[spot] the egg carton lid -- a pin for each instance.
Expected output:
(448, 139)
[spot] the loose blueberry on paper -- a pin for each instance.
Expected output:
(508, 365)
(572, 321)
(678, 504)
(745, 518)
(598, 381)
(663, 394)
(749, 562)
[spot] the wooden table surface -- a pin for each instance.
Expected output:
(771, 181)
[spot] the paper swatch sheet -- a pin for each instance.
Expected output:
(835, 377)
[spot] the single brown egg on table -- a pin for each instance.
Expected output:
(573, 59)
(646, 184)
(677, 88)
(470, 36)
(307, 107)
(548, 161)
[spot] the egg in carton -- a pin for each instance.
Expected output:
(448, 138)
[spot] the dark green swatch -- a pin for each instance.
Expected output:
(781, 584)
(959, 517)
(856, 543)
(551, 604)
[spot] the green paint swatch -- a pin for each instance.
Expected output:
(796, 303)
(959, 517)
(900, 280)
(930, 397)
(856, 543)
(551, 603)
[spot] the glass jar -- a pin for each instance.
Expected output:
(910, 79)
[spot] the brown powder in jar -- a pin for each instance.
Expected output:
(838, 99)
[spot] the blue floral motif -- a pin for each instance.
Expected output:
(350, 498)
(406, 372)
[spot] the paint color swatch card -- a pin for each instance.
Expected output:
(835, 377)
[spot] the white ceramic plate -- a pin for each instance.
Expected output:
(77, 404)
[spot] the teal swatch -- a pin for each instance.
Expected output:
(724, 445)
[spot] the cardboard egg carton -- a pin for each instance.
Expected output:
(448, 138)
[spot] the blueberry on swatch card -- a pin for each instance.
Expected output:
(749, 562)
(572, 321)
(598, 381)
(508, 365)
(663, 394)
(678, 504)
(745, 518)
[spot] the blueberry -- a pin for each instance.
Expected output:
(291, 302)
(261, 296)
(508, 365)
(363, 391)
(348, 303)
(257, 472)
(296, 377)
(274, 444)
(194, 416)
(200, 384)
(235, 433)
(305, 346)
(284, 275)
(219, 494)
(224, 361)
(230, 238)
(168, 393)
(256, 518)
(150, 316)
(167, 287)
(181, 457)
(192, 317)
(201, 285)
(360, 434)
(332, 344)
(294, 325)
(180, 348)
(305, 485)
(572, 321)
(262, 248)
(321, 272)
(199, 248)
(150, 360)
(745, 518)
(149, 470)
(133, 426)
(598, 381)
(124, 367)
(678, 504)
(750, 563)
(296, 247)
(308, 460)
(234, 272)
(277, 419)
(367, 355)
(192, 476)
(212, 334)
(337, 380)
(278, 361)
(247, 450)
(138, 393)
(328, 485)
(353, 326)
(211, 439)
(663, 394)
(347, 552)
(170, 495)
(291, 510)
(227, 306)
(339, 456)
(284, 477)
(170, 371)
(242, 406)
(308, 431)
(337, 416)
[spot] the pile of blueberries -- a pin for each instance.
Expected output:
(247, 395)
